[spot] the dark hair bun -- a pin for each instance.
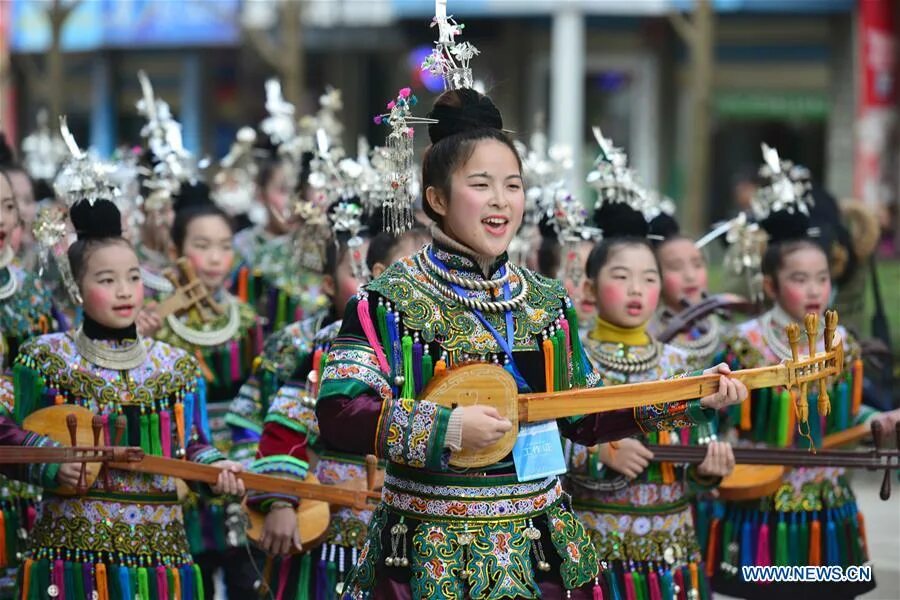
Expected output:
(96, 222)
(783, 226)
(7, 157)
(462, 110)
(191, 195)
(547, 228)
(618, 219)
(664, 226)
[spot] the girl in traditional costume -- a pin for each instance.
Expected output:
(126, 538)
(223, 344)
(684, 283)
(813, 518)
(638, 513)
(442, 532)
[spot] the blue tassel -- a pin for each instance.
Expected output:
(793, 541)
(201, 410)
(747, 557)
(613, 582)
(187, 582)
(668, 585)
(190, 399)
(322, 579)
(521, 384)
(125, 582)
(831, 545)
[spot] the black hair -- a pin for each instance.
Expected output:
(464, 117)
(622, 226)
(549, 254)
(335, 251)
(193, 202)
(7, 156)
(97, 225)
(383, 244)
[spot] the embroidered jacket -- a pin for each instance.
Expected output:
(224, 367)
(643, 525)
(703, 344)
(270, 280)
(127, 536)
(26, 313)
(472, 533)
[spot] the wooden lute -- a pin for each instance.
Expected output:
(491, 385)
(76, 426)
(748, 482)
(189, 293)
(695, 312)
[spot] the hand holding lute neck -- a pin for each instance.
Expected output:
(731, 391)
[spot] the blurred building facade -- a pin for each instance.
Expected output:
(785, 72)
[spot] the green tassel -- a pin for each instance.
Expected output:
(133, 581)
(578, 373)
(224, 353)
(562, 359)
(793, 543)
(331, 579)
(638, 581)
(555, 343)
(251, 287)
(43, 577)
(654, 474)
(704, 586)
(303, 579)
(28, 386)
(78, 580)
(198, 582)
(69, 579)
(155, 442)
(803, 545)
(152, 588)
(702, 525)
(112, 583)
(781, 544)
(145, 433)
(727, 530)
(784, 418)
(281, 310)
(11, 528)
(170, 577)
(843, 551)
(761, 415)
(194, 532)
(126, 438)
(427, 368)
(409, 384)
(143, 585)
(219, 530)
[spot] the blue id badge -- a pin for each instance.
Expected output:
(538, 452)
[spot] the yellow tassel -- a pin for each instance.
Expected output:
(857, 385)
(666, 469)
(547, 346)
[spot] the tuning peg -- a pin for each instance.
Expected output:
(885, 491)
(793, 336)
(831, 322)
(812, 332)
(371, 471)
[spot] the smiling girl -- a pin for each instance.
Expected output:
(127, 539)
(478, 533)
(813, 518)
(224, 348)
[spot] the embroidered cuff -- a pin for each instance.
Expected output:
(701, 483)
(207, 456)
(279, 465)
(865, 414)
(413, 433)
(42, 474)
(700, 415)
(454, 430)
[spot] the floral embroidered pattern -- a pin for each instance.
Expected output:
(411, 432)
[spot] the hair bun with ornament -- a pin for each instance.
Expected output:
(461, 110)
(7, 156)
(664, 226)
(96, 220)
(193, 194)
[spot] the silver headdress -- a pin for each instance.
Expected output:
(235, 183)
(450, 59)
(613, 179)
(347, 217)
(82, 179)
(398, 207)
(788, 187)
(43, 152)
(162, 135)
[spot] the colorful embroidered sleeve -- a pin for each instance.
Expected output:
(358, 413)
(282, 453)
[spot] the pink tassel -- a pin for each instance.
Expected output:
(162, 583)
(679, 581)
(598, 591)
(763, 555)
(59, 577)
(629, 588)
(31, 516)
(165, 430)
(653, 584)
(362, 312)
(685, 436)
(235, 361)
(259, 338)
(564, 323)
(106, 438)
(283, 572)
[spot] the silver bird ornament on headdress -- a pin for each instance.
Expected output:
(450, 59)
(43, 152)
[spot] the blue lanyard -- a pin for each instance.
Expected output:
(506, 344)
